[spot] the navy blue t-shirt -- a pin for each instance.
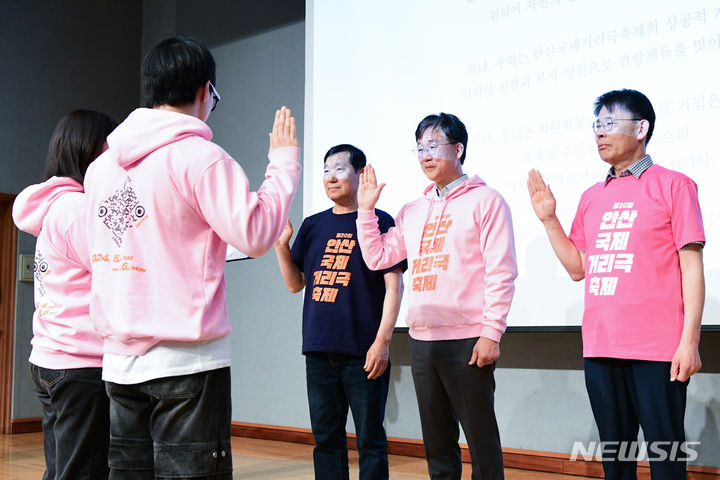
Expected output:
(343, 297)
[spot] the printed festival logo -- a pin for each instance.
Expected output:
(40, 269)
(611, 259)
(121, 211)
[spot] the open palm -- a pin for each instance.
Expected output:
(542, 198)
(284, 132)
(368, 190)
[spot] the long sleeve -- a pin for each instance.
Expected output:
(380, 250)
(249, 221)
(498, 250)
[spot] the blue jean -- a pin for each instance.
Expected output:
(334, 382)
(172, 427)
(75, 422)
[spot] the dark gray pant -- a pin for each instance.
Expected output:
(171, 428)
(449, 390)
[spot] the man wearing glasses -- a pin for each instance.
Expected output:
(165, 202)
(458, 240)
(637, 240)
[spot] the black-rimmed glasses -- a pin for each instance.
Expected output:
(215, 95)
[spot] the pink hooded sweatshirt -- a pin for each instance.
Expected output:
(164, 203)
(63, 334)
(461, 260)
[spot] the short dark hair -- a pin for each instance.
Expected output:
(174, 69)
(77, 140)
(633, 101)
(357, 157)
(451, 126)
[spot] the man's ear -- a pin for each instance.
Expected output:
(203, 92)
(643, 129)
(460, 150)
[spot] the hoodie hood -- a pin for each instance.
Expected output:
(32, 204)
(470, 183)
(145, 130)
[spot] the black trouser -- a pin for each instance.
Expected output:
(627, 394)
(449, 390)
(76, 422)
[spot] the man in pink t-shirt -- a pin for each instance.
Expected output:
(637, 240)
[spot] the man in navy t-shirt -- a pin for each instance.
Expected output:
(349, 314)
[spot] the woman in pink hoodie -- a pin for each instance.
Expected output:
(66, 357)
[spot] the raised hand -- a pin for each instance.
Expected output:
(542, 198)
(368, 190)
(283, 133)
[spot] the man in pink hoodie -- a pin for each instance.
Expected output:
(164, 204)
(458, 241)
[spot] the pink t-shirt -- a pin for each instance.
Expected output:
(631, 230)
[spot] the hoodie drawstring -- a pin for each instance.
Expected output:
(444, 202)
(427, 220)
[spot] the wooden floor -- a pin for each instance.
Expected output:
(21, 458)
